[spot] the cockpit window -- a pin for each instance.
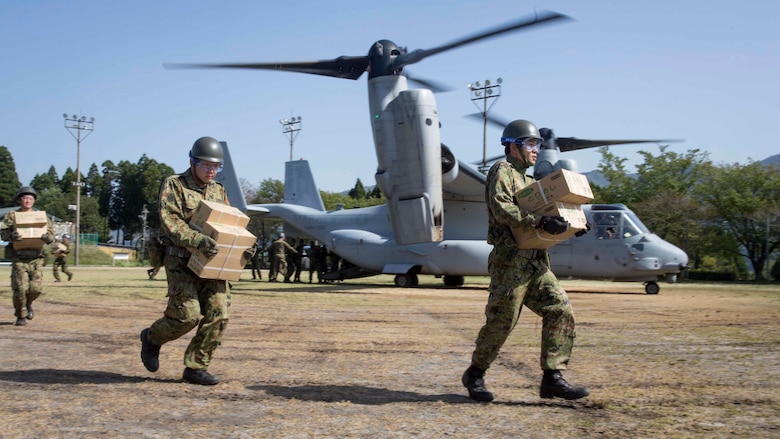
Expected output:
(617, 225)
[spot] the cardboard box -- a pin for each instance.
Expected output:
(539, 239)
(560, 186)
(31, 238)
(231, 236)
(30, 219)
(217, 213)
(228, 264)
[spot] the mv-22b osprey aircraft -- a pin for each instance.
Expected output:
(435, 218)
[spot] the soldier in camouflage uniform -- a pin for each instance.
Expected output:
(192, 301)
(521, 277)
(279, 250)
(26, 269)
(61, 251)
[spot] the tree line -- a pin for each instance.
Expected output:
(722, 215)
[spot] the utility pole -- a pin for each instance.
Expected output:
(483, 92)
(142, 216)
(290, 128)
(78, 124)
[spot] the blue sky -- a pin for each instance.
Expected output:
(706, 72)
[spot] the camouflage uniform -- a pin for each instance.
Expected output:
(192, 301)
(279, 250)
(520, 277)
(61, 260)
(257, 262)
(156, 257)
(26, 269)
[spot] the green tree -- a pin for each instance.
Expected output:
(9, 179)
(270, 191)
(745, 200)
(358, 192)
(137, 184)
(49, 180)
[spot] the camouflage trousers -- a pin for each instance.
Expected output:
(278, 266)
(26, 283)
(192, 302)
(516, 282)
(60, 264)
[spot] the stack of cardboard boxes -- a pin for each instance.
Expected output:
(561, 193)
(227, 226)
(31, 225)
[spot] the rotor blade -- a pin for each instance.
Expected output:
(573, 143)
(434, 86)
(347, 67)
(538, 19)
(493, 120)
(489, 159)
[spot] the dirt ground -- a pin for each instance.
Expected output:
(365, 359)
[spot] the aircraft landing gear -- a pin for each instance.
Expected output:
(453, 281)
(406, 280)
(652, 287)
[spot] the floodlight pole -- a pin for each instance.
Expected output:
(79, 124)
(483, 92)
(290, 128)
(142, 217)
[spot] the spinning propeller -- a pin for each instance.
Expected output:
(563, 144)
(384, 57)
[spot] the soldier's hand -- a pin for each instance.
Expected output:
(208, 246)
(47, 238)
(582, 232)
(16, 236)
(248, 255)
(554, 225)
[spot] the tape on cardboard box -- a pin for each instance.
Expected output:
(560, 186)
(218, 213)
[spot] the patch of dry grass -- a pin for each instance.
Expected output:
(365, 359)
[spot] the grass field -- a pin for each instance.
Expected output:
(365, 359)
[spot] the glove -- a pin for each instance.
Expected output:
(48, 239)
(248, 255)
(208, 246)
(16, 236)
(554, 225)
(582, 232)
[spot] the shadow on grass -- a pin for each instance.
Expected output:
(66, 376)
(378, 396)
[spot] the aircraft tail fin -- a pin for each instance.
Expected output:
(299, 187)
(229, 179)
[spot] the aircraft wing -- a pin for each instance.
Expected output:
(468, 185)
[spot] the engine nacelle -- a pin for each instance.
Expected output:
(407, 138)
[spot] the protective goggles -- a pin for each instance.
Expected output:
(530, 144)
(209, 166)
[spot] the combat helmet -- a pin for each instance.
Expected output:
(26, 190)
(207, 149)
(519, 129)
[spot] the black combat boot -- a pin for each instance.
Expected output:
(30, 313)
(553, 385)
(199, 376)
(150, 352)
(474, 380)
(20, 321)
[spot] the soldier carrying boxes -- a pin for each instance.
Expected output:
(204, 237)
(27, 230)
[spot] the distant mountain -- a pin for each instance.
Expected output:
(773, 160)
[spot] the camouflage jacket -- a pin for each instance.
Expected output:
(280, 248)
(504, 180)
(179, 197)
(61, 249)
